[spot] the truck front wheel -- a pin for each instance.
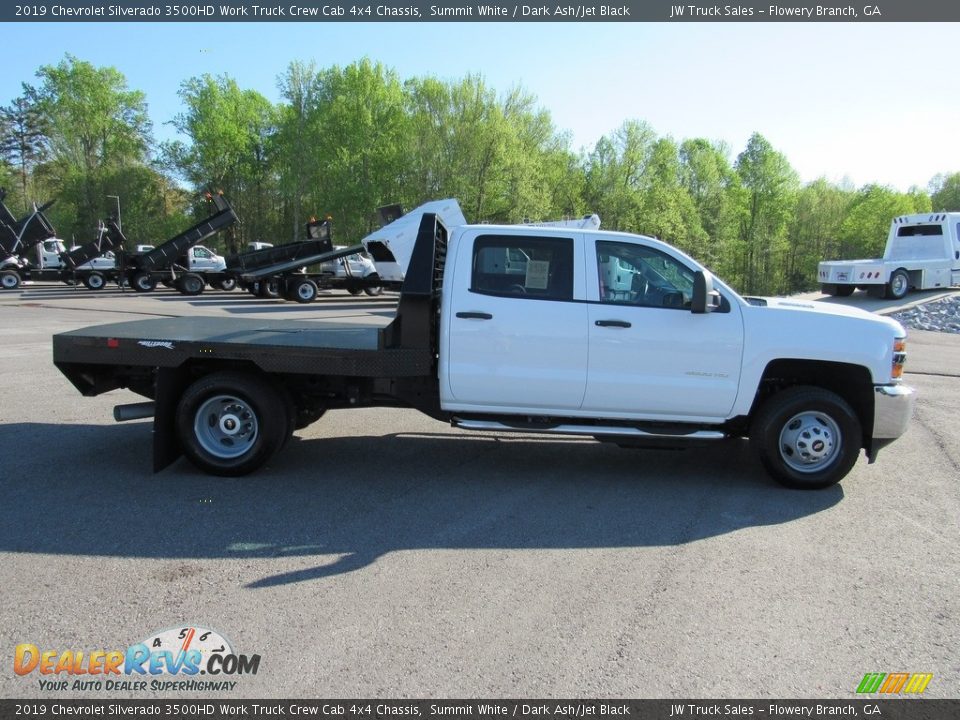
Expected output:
(899, 285)
(806, 437)
(230, 424)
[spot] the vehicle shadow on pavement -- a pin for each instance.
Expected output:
(84, 488)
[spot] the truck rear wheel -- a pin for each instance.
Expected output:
(303, 291)
(899, 285)
(144, 282)
(9, 280)
(94, 281)
(230, 424)
(190, 284)
(267, 289)
(806, 437)
(227, 284)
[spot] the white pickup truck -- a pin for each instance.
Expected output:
(922, 252)
(614, 336)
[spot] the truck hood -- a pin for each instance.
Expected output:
(788, 305)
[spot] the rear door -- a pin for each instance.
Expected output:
(516, 335)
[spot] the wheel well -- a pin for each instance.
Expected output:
(851, 382)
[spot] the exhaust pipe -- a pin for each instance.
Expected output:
(134, 411)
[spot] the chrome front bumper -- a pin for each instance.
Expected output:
(892, 408)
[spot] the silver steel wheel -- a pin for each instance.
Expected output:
(899, 284)
(810, 441)
(10, 280)
(225, 426)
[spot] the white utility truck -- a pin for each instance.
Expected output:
(618, 337)
(922, 253)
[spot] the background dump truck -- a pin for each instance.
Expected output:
(18, 237)
(172, 261)
(922, 253)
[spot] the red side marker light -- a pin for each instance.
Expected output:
(113, 343)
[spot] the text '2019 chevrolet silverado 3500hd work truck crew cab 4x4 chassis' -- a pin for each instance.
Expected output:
(523, 328)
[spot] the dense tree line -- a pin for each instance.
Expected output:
(345, 140)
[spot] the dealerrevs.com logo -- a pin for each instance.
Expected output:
(184, 654)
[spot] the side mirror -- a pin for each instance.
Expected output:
(705, 298)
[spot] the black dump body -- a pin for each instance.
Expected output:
(289, 258)
(320, 242)
(130, 354)
(109, 238)
(19, 236)
(164, 256)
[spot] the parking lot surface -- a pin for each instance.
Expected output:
(383, 554)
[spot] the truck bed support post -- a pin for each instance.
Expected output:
(171, 383)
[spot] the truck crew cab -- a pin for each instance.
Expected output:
(615, 336)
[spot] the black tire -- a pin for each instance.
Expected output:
(227, 284)
(303, 290)
(898, 286)
(94, 281)
(354, 290)
(845, 290)
(268, 289)
(144, 282)
(9, 280)
(373, 290)
(230, 424)
(190, 284)
(806, 437)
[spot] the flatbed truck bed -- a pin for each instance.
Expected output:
(285, 346)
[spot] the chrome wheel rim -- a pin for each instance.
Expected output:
(9, 282)
(225, 426)
(810, 441)
(305, 291)
(899, 285)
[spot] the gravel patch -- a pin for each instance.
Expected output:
(939, 316)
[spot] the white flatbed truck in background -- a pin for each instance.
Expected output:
(922, 253)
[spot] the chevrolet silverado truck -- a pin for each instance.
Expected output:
(614, 336)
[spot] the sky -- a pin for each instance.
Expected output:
(855, 103)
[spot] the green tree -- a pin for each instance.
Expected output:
(945, 193)
(863, 233)
(615, 175)
(299, 163)
(362, 142)
(714, 187)
(230, 149)
(770, 185)
(22, 138)
(96, 127)
(815, 231)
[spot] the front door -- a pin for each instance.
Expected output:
(649, 355)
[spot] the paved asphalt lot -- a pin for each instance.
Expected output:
(387, 555)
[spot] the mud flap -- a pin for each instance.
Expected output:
(171, 382)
